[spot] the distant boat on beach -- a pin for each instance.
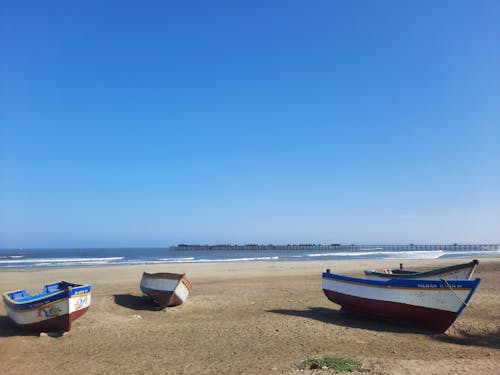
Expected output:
(433, 304)
(55, 308)
(457, 271)
(166, 289)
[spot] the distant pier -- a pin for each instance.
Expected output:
(341, 247)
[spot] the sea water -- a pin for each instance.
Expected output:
(41, 258)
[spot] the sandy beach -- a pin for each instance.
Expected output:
(248, 318)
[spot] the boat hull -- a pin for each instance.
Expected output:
(166, 289)
(60, 323)
(432, 319)
(51, 313)
(428, 304)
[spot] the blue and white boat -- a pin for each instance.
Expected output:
(433, 304)
(55, 308)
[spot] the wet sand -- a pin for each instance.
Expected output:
(250, 318)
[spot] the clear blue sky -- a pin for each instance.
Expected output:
(147, 123)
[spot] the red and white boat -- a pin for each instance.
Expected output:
(456, 271)
(426, 303)
(166, 289)
(55, 308)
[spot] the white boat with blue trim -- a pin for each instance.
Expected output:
(432, 304)
(55, 308)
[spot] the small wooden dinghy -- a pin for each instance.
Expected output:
(457, 271)
(55, 308)
(430, 304)
(166, 289)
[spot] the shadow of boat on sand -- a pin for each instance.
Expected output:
(351, 320)
(140, 303)
(9, 329)
(490, 339)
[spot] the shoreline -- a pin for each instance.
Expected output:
(246, 317)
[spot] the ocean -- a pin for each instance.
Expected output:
(43, 258)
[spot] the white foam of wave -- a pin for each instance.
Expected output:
(192, 260)
(387, 254)
(149, 261)
(58, 260)
(341, 254)
(176, 259)
(236, 259)
(472, 253)
(65, 264)
(414, 254)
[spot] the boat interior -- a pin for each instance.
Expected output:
(48, 289)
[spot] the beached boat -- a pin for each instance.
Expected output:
(55, 308)
(166, 289)
(430, 304)
(457, 271)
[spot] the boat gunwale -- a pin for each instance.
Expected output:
(473, 264)
(180, 277)
(41, 297)
(397, 283)
(163, 275)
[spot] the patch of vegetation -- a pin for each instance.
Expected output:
(338, 364)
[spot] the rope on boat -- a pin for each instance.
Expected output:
(456, 295)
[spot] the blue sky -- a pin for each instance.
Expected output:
(131, 123)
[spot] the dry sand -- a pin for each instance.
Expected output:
(251, 318)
